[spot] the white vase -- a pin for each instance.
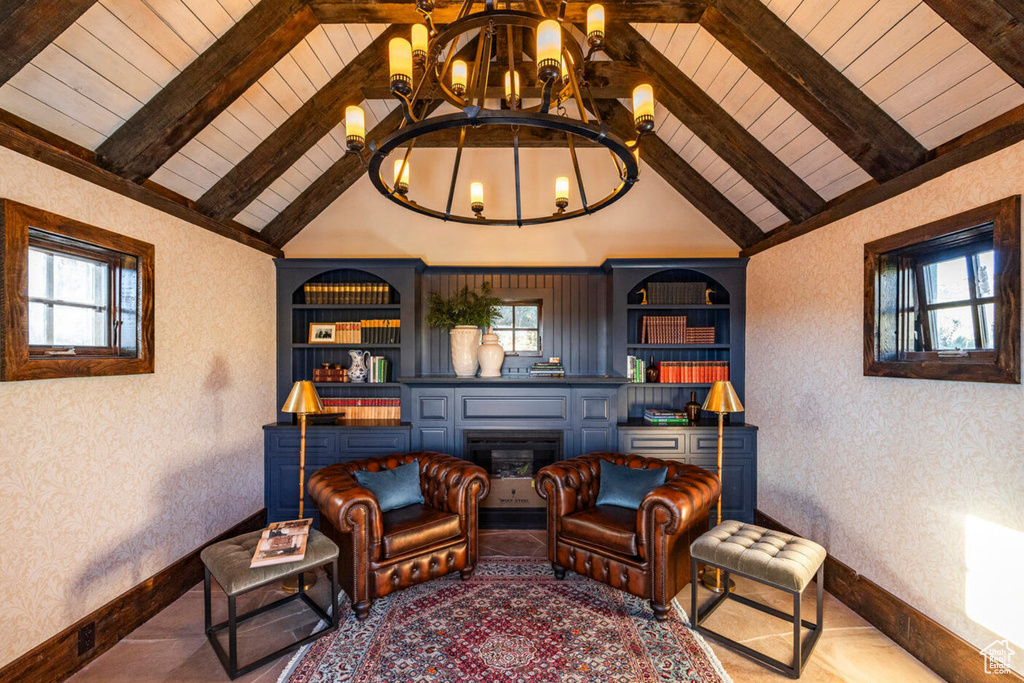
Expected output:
(465, 339)
(491, 356)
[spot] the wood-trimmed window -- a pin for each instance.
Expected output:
(942, 301)
(519, 327)
(78, 300)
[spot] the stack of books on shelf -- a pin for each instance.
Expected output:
(552, 368)
(282, 542)
(662, 329)
(677, 293)
(692, 372)
(364, 408)
(699, 335)
(657, 416)
(388, 331)
(379, 370)
(330, 373)
(347, 293)
(636, 369)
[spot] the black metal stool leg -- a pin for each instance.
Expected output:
(232, 639)
(694, 616)
(797, 639)
(207, 617)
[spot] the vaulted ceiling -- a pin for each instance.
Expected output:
(774, 117)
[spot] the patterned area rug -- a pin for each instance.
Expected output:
(511, 623)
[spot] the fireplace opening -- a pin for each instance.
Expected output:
(512, 458)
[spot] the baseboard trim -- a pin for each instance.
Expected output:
(57, 658)
(938, 648)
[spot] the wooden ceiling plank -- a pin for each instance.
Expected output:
(727, 138)
(404, 11)
(814, 87)
(28, 26)
(996, 27)
(683, 178)
(206, 87)
(298, 134)
(991, 137)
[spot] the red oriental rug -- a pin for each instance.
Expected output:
(513, 622)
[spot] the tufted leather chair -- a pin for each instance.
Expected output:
(383, 552)
(644, 552)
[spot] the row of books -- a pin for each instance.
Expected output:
(658, 416)
(379, 370)
(347, 293)
(369, 332)
(364, 408)
(699, 335)
(692, 372)
(330, 374)
(677, 293)
(552, 368)
(282, 542)
(636, 369)
(663, 329)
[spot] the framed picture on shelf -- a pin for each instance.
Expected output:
(323, 333)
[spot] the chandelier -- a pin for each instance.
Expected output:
(427, 71)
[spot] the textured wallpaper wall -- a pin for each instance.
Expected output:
(106, 481)
(918, 485)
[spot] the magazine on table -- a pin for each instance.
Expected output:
(289, 528)
(282, 542)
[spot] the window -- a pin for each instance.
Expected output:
(84, 303)
(942, 300)
(518, 328)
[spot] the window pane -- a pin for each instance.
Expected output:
(984, 268)
(952, 328)
(80, 281)
(504, 316)
(505, 339)
(526, 316)
(946, 281)
(75, 326)
(37, 328)
(988, 325)
(527, 341)
(37, 268)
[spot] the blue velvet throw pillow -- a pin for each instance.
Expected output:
(393, 488)
(626, 486)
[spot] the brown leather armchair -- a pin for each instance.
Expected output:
(383, 552)
(644, 552)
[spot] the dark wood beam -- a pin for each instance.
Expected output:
(996, 27)
(28, 26)
(404, 11)
(683, 178)
(858, 126)
(712, 124)
(77, 161)
(289, 141)
(205, 88)
(997, 134)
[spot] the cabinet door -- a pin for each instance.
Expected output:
(596, 439)
(283, 487)
(433, 438)
(738, 494)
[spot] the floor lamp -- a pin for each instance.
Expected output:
(721, 399)
(303, 400)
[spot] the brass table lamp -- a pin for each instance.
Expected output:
(721, 399)
(303, 400)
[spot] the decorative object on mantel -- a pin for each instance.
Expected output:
(357, 368)
(559, 62)
(303, 400)
(721, 399)
(463, 315)
(491, 355)
(693, 408)
(652, 371)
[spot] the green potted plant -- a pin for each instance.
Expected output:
(463, 315)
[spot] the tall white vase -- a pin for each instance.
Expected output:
(491, 356)
(465, 339)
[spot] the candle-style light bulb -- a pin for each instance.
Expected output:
(643, 108)
(476, 198)
(512, 98)
(549, 49)
(459, 77)
(595, 25)
(355, 128)
(561, 193)
(401, 176)
(420, 40)
(400, 63)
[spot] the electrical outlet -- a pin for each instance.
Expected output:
(903, 624)
(86, 638)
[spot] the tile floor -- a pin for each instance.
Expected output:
(172, 647)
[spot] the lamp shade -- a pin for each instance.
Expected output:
(476, 193)
(459, 77)
(722, 399)
(562, 189)
(400, 59)
(303, 399)
(643, 102)
(595, 20)
(355, 122)
(549, 42)
(420, 39)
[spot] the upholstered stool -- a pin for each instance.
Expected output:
(782, 561)
(228, 562)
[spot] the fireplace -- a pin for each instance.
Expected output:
(512, 458)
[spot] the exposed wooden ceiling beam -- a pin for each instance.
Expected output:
(712, 124)
(404, 11)
(303, 129)
(683, 178)
(996, 27)
(858, 126)
(28, 26)
(997, 134)
(206, 87)
(70, 158)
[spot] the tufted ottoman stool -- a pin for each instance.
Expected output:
(228, 562)
(775, 559)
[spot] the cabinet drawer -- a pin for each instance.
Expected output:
(317, 442)
(513, 404)
(654, 444)
(375, 442)
(735, 443)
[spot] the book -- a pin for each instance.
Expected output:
(292, 527)
(279, 550)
